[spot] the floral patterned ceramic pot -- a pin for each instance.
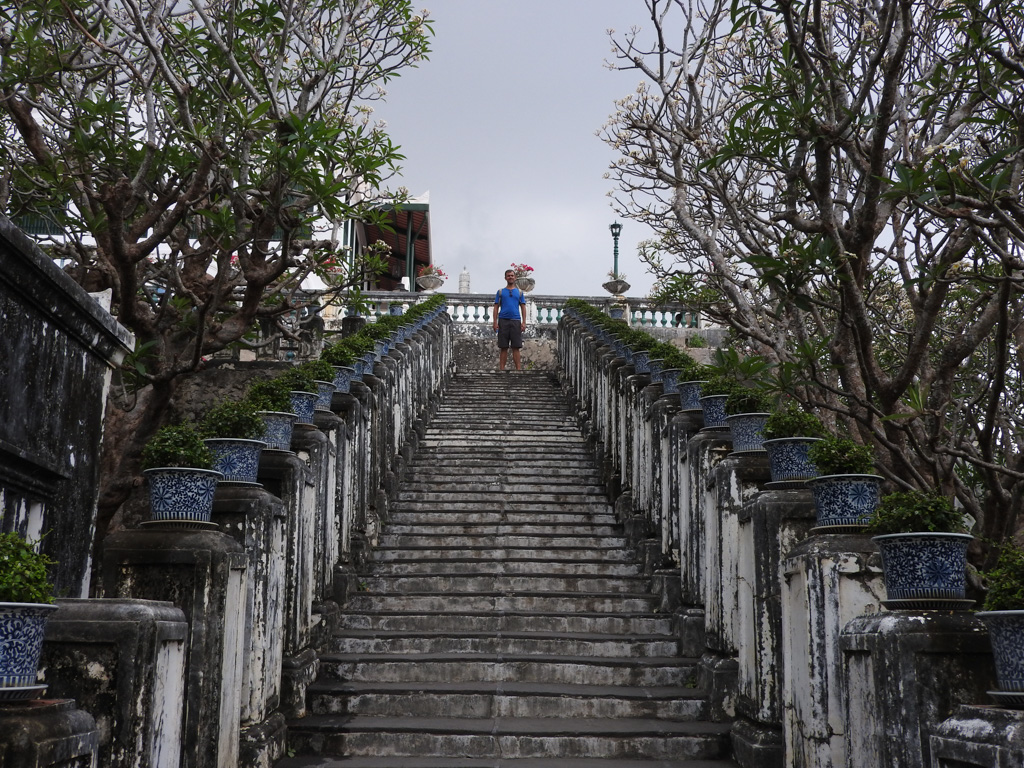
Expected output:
(922, 569)
(237, 459)
(746, 432)
(845, 499)
(22, 627)
(181, 493)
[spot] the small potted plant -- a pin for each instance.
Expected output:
(715, 390)
(524, 277)
(679, 367)
(789, 434)
(430, 278)
(232, 430)
(747, 409)
(26, 602)
(846, 493)
(178, 467)
(1003, 614)
(272, 400)
(924, 550)
(342, 358)
(303, 392)
(322, 373)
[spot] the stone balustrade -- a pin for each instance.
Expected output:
(796, 648)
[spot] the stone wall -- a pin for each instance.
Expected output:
(796, 648)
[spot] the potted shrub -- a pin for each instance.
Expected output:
(715, 391)
(178, 467)
(747, 410)
(524, 277)
(789, 434)
(26, 602)
(302, 392)
(678, 367)
(322, 374)
(846, 492)
(342, 359)
(430, 278)
(924, 550)
(232, 430)
(1003, 614)
(272, 400)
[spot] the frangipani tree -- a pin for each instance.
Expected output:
(840, 184)
(196, 157)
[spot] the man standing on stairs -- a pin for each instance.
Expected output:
(509, 320)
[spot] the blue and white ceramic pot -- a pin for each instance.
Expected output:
(746, 432)
(670, 381)
(788, 461)
(325, 391)
(278, 432)
(845, 499)
(395, 309)
(927, 569)
(655, 368)
(1006, 633)
(690, 394)
(343, 378)
(303, 405)
(640, 358)
(714, 411)
(237, 459)
(22, 626)
(181, 493)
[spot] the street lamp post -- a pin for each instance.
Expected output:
(616, 230)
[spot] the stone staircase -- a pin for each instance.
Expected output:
(504, 622)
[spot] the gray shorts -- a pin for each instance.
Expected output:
(510, 333)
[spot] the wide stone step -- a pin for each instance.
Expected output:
(519, 643)
(439, 566)
(502, 554)
(321, 761)
(481, 471)
(487, 700)
(499, 667)
(503, 529)
(521, 494)
(446, 516)
(546, 602)
(583, 505)
(508, 621)
(536, 541)
(454, 584)
(509, 737)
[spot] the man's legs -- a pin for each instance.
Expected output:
(515, 359)
(503, 356)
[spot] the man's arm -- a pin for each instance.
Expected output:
(497, 308)
(522, 311)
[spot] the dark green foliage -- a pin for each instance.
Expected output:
(841, 456)
(318, 370)
(270, 395)
(792, 421)
(176, 445)
(232, 419)
(911, 511)
(747, 400)
(298, 379)
(339, 354)
(1005, 582)
(24, 573)
(696, 342)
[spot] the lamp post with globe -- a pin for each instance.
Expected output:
(617, 285)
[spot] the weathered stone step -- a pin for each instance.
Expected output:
(444, 516)
(509, 737)
(485, 700)
(518, 643)
(321, 761)
(518, 493)
(509, 621)
(546, 602)
(582, 506)
(536, 540)
(478, 470)
(502, 554)
(503, 529)
(474, 462)
(489, 566)
(453, 584)
(502, 667)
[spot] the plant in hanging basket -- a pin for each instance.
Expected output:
(924, 550)
(846, 493)
(26, 602)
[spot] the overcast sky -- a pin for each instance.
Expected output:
(499, 127)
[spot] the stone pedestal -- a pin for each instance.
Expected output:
(906, 672)
(771, 524)
(47, 733)
(828, 580)
(123, 661)
(204, 574)
(979, 737)
(703, 452)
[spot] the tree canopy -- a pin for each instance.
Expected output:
(840, 184)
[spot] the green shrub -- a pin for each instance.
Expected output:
(792, 421)
(1005, 582)
(696, 341)
(270, 395)
(235, 419)
(746, 400)
(841, 456)
(298, 379)
(339, 354)
(24, 573)
(318, 370)
(911, 511)
(176, 445)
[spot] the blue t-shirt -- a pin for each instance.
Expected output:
(510, 300)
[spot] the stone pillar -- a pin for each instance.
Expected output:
(256, 520)
(828, 580)
(203, 573)
(906, 672)
(771, 524)
(47, 733)
(123, 661)
(703, 452)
